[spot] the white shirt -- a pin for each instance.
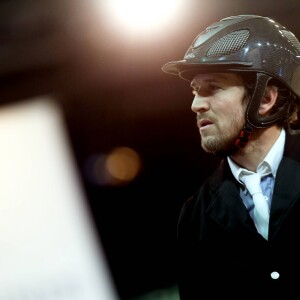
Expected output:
(268, 165)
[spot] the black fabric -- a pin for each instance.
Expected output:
(221, 254)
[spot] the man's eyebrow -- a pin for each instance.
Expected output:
(207, 80)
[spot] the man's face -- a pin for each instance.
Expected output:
(220, 107)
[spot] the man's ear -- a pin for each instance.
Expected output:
(268, 100)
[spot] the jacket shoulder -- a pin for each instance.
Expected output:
(202, 197)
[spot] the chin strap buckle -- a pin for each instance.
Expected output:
(244, 137)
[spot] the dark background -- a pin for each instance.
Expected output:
(114, 94)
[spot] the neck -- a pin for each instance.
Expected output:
(257, 147)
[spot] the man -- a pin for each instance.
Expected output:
(245, 75)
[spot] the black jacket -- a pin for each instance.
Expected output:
(221, 254)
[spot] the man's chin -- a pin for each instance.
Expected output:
(210, 144)
(216, 147)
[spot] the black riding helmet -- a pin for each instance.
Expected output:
(246, 44)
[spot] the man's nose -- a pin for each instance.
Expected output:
(200, 104)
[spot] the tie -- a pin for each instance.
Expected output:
(261, 208)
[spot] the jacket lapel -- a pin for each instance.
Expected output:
(227, 207)
(286, 193)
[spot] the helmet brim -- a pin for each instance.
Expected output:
(187, 70)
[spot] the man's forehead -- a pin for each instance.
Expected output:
(226, 77)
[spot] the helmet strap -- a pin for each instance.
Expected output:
(239, 143)
(244, 137)
(252, 116)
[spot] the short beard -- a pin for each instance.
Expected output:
(224, 144)
(221, 146)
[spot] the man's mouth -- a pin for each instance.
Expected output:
(203, 123)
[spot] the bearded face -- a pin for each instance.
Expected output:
(220, 108)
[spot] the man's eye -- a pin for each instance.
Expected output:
(214, 87)
(206, 90)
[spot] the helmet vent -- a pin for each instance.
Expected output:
(292, 39)
(230, 43)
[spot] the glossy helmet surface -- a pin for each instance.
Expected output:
(245, 43)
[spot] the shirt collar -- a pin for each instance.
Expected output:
(274, 156)
(268, 165)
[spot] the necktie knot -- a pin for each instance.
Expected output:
(252, 182)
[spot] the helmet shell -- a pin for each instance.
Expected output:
(243, 43)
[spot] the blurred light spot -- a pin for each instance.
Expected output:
(118, 167)
(123, 164)
(140, 15)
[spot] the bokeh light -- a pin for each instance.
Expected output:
(118, 167)
(123, 164)
(142, 15)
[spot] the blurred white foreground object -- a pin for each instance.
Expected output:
(49, 248)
